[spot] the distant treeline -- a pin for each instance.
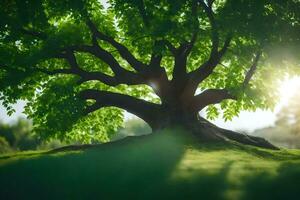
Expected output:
(18, 136)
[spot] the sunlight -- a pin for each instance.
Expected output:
(288, 88)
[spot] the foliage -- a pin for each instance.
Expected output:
(33, 34)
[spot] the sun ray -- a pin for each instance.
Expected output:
(288, 88)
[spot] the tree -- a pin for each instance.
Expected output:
(19, 135)
(289, 116)
(4, 146)
(286, 129)
(79, 64)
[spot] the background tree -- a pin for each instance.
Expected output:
(286, 129)
(79, 65)
(289, 116)
(19, 136)
(132, 127)
(4, 145)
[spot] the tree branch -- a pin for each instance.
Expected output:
(102, 54)
(143, 109)
(87, 76)
(142, 11)
(251, 70)
(214, 96)
(210, 96)
(214, 29)
(196, 26)
(156, 57)
(181, 54)
(33, 33)
(121, 78)
(210, 3)
(202, 72)
(84, 76)
(123, 51)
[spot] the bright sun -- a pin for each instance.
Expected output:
(288, 88)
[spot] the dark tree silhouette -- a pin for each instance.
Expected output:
(163, 61)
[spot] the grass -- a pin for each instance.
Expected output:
(159, 166)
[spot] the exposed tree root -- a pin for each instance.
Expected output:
(211, 132)
(248, 139)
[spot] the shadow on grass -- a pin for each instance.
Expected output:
(131, 170)
(286, 185)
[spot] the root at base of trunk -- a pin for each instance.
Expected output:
(210, 131)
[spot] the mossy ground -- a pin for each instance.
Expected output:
(159, 166)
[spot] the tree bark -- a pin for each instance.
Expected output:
(206, 131)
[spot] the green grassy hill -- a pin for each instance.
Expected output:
(158, 166)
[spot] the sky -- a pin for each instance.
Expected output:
(246, 121)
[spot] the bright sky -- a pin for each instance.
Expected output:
(249, 121)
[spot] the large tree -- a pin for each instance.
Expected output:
(79, 64)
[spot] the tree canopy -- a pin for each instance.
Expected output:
(79, 64)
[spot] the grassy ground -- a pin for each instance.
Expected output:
(161, 166)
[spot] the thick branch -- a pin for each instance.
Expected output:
(202, 72)
(252, 70)
(143, 109)
(122, 78)
(102, 54)
(156, 74)
(180, 61)
(170, 46)
(210, 96)
(33, 33)
(210, 3)
(84, 76)
(207, 68)
(196, 28)
(181, 53)
(192, 42)
(123, 51)
(142, 11)
(87, 76)
(214, 96)
(214, 30)
(156, 57)
(122, 75)
(155, 61)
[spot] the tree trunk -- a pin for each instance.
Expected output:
(204, 130)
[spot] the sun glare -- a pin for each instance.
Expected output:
(288, 88)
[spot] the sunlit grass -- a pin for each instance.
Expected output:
(161, 166)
